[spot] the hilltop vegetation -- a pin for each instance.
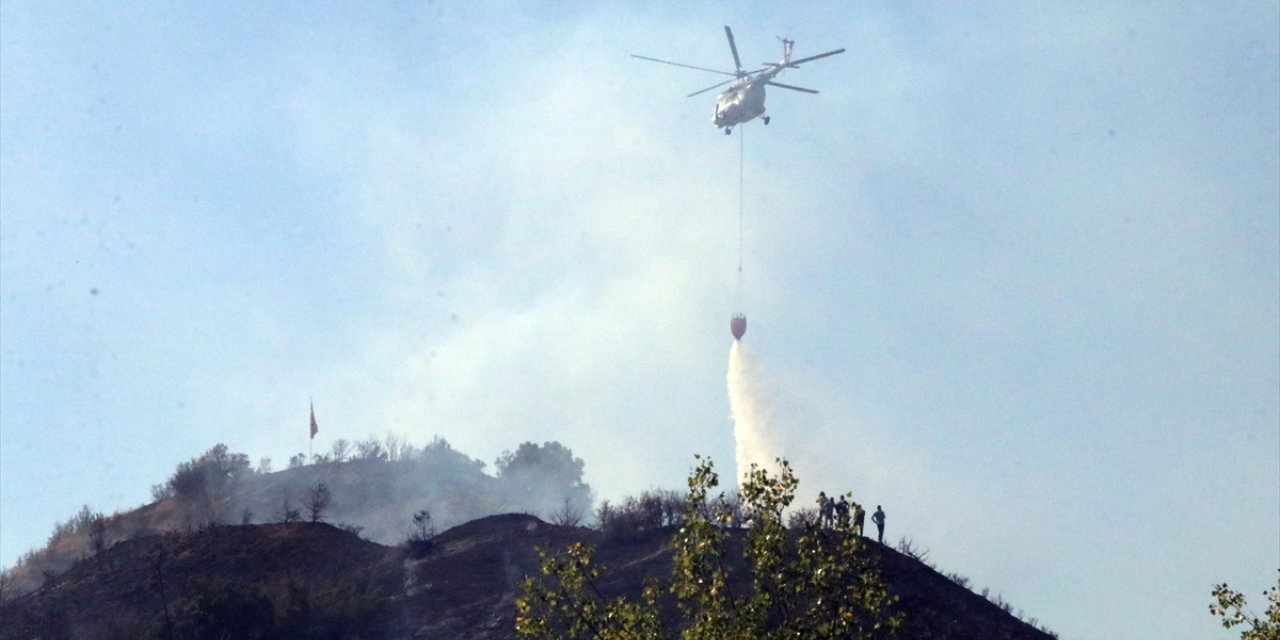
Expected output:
(722, 567)
(817, 582)
(374, 488)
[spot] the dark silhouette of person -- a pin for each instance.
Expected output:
(878, 518)
(859, 518)
(842, 511)
(826, 509)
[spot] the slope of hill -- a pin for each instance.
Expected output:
(317, 581)
(377, 490)
(258, 574)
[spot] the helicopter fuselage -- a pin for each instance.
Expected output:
(742, 102)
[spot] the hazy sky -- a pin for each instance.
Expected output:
(1014, 273)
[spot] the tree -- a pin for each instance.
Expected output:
(539, 478)
(634, 517)
(288, 513)
(98, 533)
(549, 458)
(201, 484)
(370, 449)
(317, 501)
(422, 536)
(341, 449)
(567, 515)
(208, 474)
(1230, 605)
(161, 492)
(812, 583)
(398, 448)
(6, 579)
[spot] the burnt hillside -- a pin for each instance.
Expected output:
(375, 489)
(301, 580)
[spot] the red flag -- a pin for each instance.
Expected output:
(314, 429)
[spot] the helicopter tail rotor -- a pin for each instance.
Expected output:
(787, 44)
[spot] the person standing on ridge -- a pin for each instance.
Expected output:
(825, 505)
(878, 518)
(859, 518)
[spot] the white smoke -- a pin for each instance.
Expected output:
(780, 416)
(758, 434)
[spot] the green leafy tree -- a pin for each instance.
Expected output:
(1230, 605)
(569, 605)
(810, 583)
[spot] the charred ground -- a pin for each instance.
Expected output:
(310, 580)
(374, 487)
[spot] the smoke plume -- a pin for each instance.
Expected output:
(756, 432)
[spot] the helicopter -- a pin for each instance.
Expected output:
(743, 101)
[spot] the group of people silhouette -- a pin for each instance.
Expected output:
(830, 510)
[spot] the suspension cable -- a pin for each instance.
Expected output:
(741, 180)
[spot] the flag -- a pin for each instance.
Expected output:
(314, 429)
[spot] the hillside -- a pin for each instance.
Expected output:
(375, 488)
(314, 580)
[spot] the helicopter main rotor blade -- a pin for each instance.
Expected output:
(787, 86)
(714, 86)
(795, 63)
(734, 48)
(687, 66)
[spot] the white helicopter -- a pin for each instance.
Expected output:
(744, 100)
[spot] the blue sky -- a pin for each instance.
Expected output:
(1014, 273)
